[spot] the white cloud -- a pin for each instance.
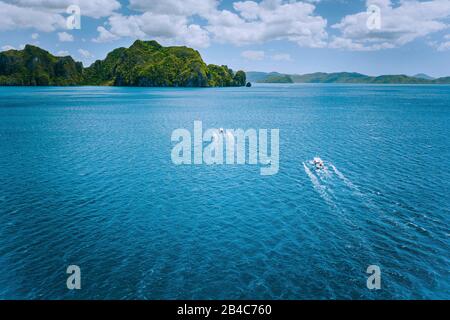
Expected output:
(175, 7)
(168, 29)
(63, 53)
(194, 36)
(24, 18)
(253, 55)
(89, 8)
(350, 44)
(126, 26)
(444, 46)
(258, 22)
(400, 25)
(49, 15)
(246, 23)
(65, 37)
(7, 47)
(261, 55)
(170, 22)
(282, 57)
(105, 36)
(85, 53)
(167, 21)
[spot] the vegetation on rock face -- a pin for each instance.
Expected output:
(144, 64)
(240, 79)
(33, 66)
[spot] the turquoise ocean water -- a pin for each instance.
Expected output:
(86, 178)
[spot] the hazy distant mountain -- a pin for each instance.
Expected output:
(423, 76)
(343, 77)
(277, 78)
(444, 80)
(266, 77)
(254, 76)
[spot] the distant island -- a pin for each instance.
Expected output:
(144, 64)
(342, 77)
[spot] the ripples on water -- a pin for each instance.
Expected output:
(86, 178)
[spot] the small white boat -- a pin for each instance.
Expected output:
(318, 163)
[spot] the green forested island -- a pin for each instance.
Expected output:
(144, 64)
(342, 77)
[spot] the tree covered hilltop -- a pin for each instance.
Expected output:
(144, 64)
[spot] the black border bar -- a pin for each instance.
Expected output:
(278, 309)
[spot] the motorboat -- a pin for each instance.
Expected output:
(318, 163)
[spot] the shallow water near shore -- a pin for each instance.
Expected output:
(86, 178)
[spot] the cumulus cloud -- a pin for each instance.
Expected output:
(16, 17)
(253, 55)
(282, 57)
(63, 53)
(7, 47)
(65, 37)
(400, 25)
(258, 22)
(168, 29)
(167, 21)
(85, 53)
(105, 36)
(49, 15)
(444, 46)
(175, 7)
(244, 23)
(89, 8)
(250, 22)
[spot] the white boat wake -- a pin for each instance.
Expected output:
(328, 175)
(321, 189)
(347, 182)
(332, 185)
(329, 182)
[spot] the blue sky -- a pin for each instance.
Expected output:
(290, 36)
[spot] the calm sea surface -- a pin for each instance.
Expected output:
(86, 178)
